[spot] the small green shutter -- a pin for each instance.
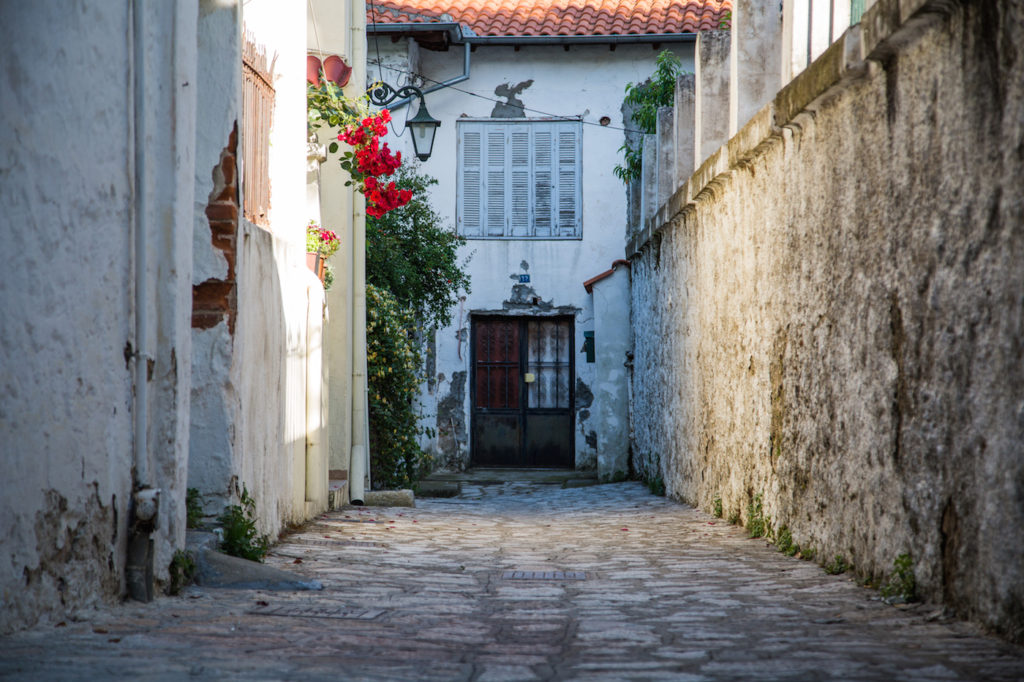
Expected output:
(856, 11)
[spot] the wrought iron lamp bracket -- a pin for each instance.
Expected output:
(383, 94)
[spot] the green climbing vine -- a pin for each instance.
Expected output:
(645, 99)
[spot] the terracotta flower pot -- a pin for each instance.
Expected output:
(313, 70)
(316, 264)
(337, 71)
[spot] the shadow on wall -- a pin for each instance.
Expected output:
(452, 436)
(257, 336)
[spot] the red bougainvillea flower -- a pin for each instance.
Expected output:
(372, 160)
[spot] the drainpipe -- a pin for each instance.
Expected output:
(359, 454)
(145, 499)
(451, 81)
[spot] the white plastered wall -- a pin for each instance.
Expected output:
(68, 343)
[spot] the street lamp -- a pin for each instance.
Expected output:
(423, 125)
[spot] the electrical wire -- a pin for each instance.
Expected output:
(380, 65)
(506, 103)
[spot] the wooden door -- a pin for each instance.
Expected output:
(522, 392)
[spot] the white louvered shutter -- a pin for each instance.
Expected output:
(520, 218)
(470, 188)
(496, 213)
(520, 180)
(568, 181)
(543, 179)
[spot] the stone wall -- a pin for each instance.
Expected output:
(830, 312)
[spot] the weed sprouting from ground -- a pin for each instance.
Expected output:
(240, 536)
(717, 506)
(656, 484)
(837, 566)
(902, 585)
(182, 571)
(193, 508)
(758, 524)
(784, 542)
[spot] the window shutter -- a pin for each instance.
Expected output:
(568, 181)
(543, 180)
(520, 180)
(469, 190)
(519, 189)
(495, 187)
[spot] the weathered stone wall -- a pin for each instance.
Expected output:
(831, 313)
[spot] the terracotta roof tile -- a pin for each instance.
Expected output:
(557, 17)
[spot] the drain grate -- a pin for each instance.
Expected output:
(317, 612)
(335, 543)
(544, 575)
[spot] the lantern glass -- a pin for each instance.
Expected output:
(423, 127)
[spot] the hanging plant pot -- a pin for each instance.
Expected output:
(321, 268)
(316, 265)
(337, 71)
(313, 70)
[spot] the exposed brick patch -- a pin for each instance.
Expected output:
(212, 301)
(215, 300)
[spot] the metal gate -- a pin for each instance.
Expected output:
(522, 392)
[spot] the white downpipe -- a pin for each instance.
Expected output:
(360, 456)
(141, 450)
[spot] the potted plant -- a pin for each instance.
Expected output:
(321, 244)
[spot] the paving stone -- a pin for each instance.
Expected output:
(670, 593)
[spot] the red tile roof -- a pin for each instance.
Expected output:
(557, 17)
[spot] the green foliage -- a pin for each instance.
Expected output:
(734, 518)
(837, 566)
(656, 484)
(414, 256)
(645, 98)
(393, 361)
(193, 508)
(902, 585)
(413, 278)
(240, 536)
(182, 570)
(784, 542)
(807, 553)
(618, 477)
(758, 524)
(326, 105)
(717, 507)
(725, 21)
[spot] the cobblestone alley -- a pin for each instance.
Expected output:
(455, 589)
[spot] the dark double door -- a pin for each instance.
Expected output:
(522, 392)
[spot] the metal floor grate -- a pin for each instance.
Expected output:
(544, 575)
(317, 612)
(334, 543)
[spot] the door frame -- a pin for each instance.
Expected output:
(523, 321)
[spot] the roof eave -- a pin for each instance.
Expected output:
(585, 39)
(458, 34)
